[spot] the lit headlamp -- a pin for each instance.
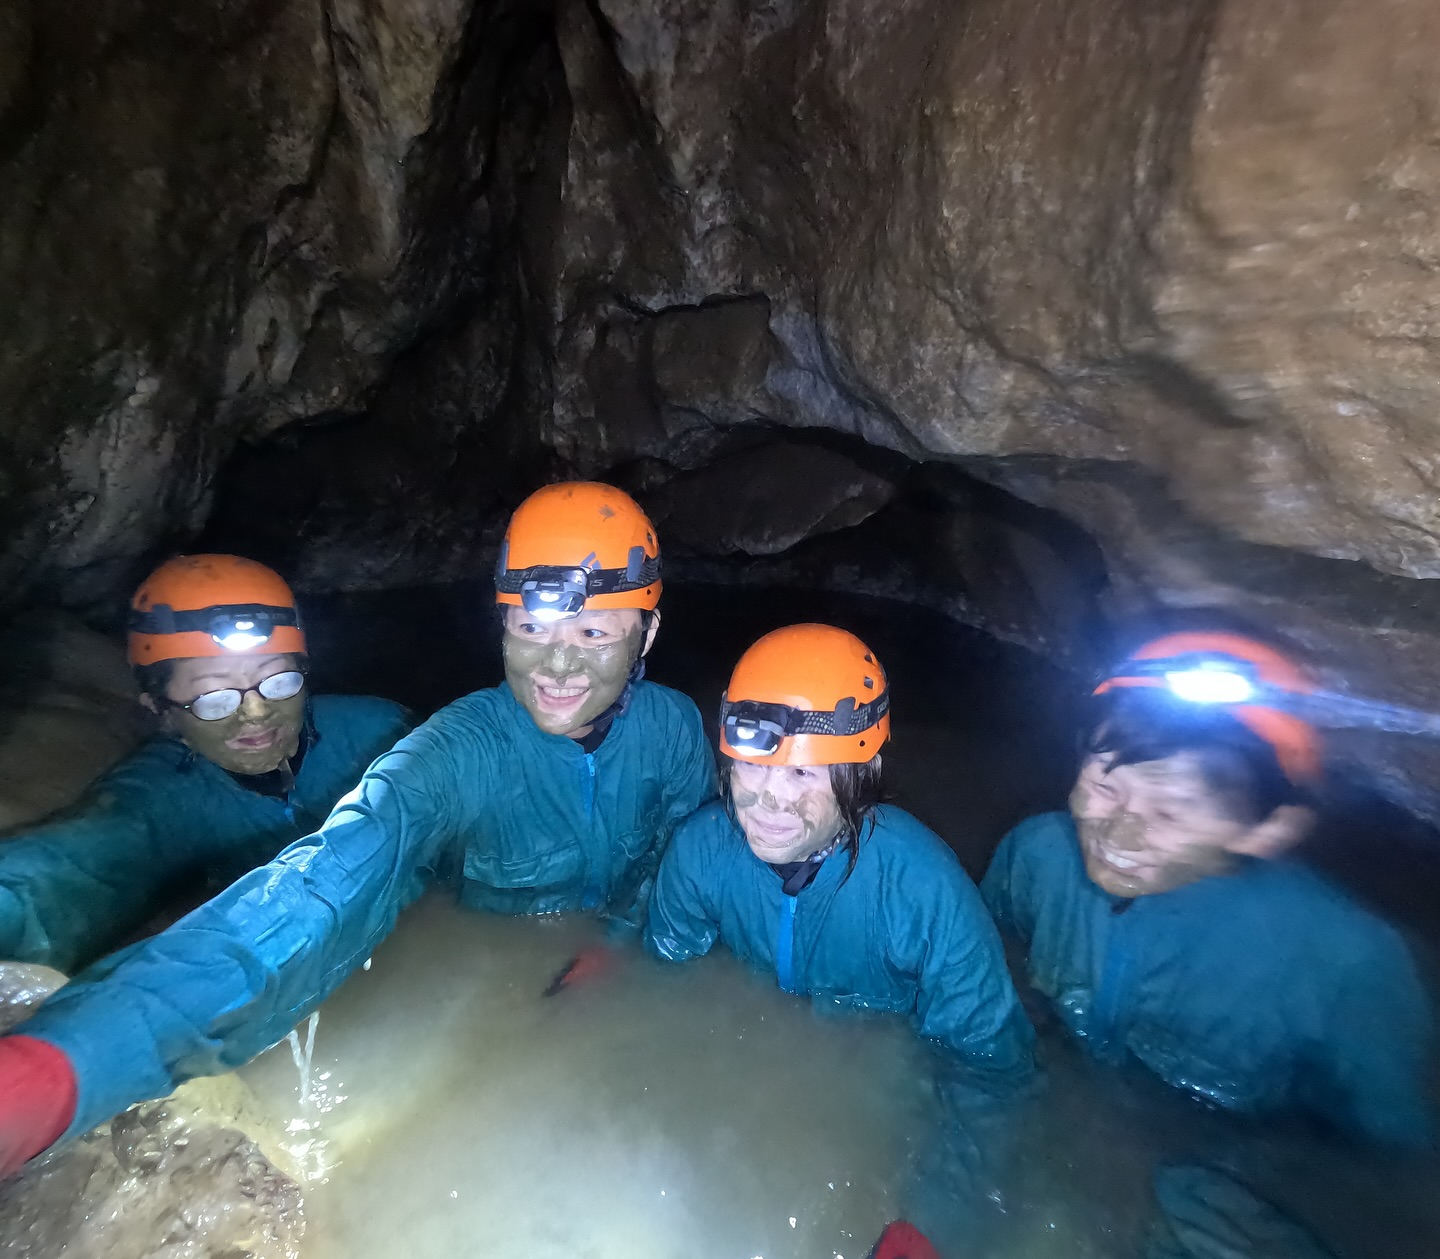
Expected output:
(555, 594)
(1196, 678)
(235, 627)
(1218, 679)
(551, 593)
(754, 728)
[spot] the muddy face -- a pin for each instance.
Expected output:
(1152, 827)
(788, 812)
(254, 739)
(566, 673)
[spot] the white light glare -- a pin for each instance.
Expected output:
(237, 641)
(548, 614)
(1210, 686)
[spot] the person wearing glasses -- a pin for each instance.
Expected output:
(245, 762)
(803, 873)
(555, 791)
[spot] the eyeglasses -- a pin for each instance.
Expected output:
(217, 705)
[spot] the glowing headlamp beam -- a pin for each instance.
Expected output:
(1210, 686)
(239, 640)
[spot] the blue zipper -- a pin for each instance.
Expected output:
(785, 946)
(593, 897)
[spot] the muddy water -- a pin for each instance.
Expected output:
(661, 1112)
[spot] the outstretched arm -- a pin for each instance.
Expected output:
(233, 977)
(72, 888)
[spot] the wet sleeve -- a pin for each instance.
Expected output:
(74, 887)
(230, 979)
(692, 779)
(1373, 1055)
(681, 923)
(1005, 889)
(941, 933)
(689, 782)
(389, 724)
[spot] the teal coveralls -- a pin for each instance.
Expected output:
(1262, 989)
(81, 883)
(533, 823)
(906, 932)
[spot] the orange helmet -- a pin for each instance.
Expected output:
(806, 695)
(212, 605)
(578, 545)
(1237, 674)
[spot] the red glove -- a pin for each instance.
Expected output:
(594, 962)
(903, 1241)
(37, 1099)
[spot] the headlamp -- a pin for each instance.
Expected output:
(1215, 680)
(1217, 685)
(549, 592)
(235, 628)
(239, 633)
(555, 594)
(1195, 678)
(755, 728)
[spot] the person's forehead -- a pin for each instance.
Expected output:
(1177, 778)
(591, 618)
(225, 668)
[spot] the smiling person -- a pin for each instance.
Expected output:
(246, 761)
(554, 791)
(1168, 923)
(804, 874)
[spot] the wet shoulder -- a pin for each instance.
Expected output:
(1045, 844)
(707, 835)
(1284, 899)
(489, 718)
(661, 707)
(155, 762)
(160, 775)
(911, 852)
(359, 719)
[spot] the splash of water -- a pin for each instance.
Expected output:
(304, 1056)
(307, 1148)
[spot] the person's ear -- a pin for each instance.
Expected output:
(148, 703)
(654, 628)
(1277, 834)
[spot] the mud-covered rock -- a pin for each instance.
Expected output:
(177, 1179)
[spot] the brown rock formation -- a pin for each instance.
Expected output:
(1165, 271)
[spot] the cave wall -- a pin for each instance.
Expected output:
(1084, 310)
(223, 217)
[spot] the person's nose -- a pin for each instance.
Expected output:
(560, 660)
(778, 791)
(252, 706)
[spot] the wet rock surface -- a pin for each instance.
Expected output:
(160, 1182)
(175, 1179)
(345, 278)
